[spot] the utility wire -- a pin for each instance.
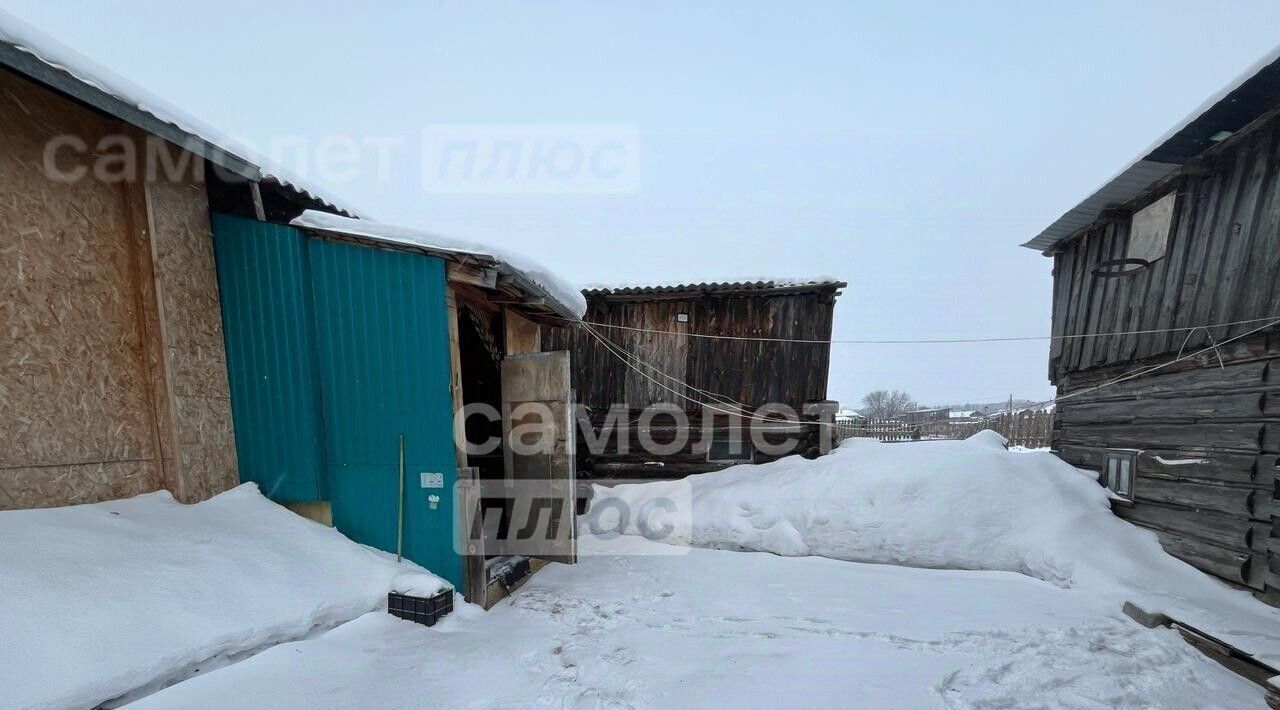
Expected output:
(922, 341)
(720, 398)
(627, 359)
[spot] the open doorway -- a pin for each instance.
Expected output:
(501, 369)
(480, 349)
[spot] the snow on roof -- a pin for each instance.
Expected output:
(1250, 95)
(761, 283)
(568, 300)
(27, 40)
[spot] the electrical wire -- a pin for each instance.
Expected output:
(923, 341)
(720, 398)
(627, 359)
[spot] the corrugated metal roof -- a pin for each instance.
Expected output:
(561, 296)
(715, 287)
(39, 57)
(1252, 94)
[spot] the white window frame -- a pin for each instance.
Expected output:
(1120, 472)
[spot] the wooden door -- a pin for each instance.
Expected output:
(539, 445)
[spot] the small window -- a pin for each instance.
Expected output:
(1149, 230)
(1120, 469)
(730, 451)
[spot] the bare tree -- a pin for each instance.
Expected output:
(887, 404)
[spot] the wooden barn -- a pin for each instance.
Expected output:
(1166, 354)
(710, 351)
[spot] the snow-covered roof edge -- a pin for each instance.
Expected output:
(563, 296)
(1161, 158)
(761, 283)
(20, 38)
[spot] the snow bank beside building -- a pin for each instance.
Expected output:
(958, 505)
(113, 598)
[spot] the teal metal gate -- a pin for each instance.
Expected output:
(334, 352)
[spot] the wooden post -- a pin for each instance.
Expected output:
(468, 501)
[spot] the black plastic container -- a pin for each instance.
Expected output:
(420, 610)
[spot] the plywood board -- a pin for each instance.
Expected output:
(186, 287)
(72, 372)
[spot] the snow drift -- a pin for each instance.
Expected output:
(114, 598)
(957, 505)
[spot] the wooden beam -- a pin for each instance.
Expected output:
(255, 193)
(1224, 653)
(472, 560)
(474, 297)
(524, 302)
(472, 274)
(522, 335)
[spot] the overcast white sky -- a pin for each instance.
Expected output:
(907, 148)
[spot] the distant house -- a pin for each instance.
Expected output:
(189, 330)
(925, 416)
(1165, 300)
(710, 350)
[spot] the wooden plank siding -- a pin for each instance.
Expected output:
(1207, 429)
(749, 372)
(1219, 266)
(702, 377)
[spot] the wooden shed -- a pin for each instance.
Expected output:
(708, 350)
(1166, 354)
(179, 317)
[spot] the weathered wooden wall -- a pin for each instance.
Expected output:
(105, 302)
(752, 373)
(1209, 440)
(1207, 429)
(626, 450)
(749, 372)
(1220, 264)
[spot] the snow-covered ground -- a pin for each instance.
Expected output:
(959, 505)
(114, 599)
(720, 629)
(1027, 615)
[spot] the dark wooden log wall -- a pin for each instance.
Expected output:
(1208, 429)
(1208, 436)
(619, 456)
(752, 373)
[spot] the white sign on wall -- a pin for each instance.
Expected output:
(1149, 231)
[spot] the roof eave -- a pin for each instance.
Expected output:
(19, 60)
(1245, 102)
(529, 287)
(27, 64)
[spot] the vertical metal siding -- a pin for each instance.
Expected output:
(265, 289)
(383, 358)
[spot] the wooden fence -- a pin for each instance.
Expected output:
(1030, 428)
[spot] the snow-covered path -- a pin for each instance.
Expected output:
(714, 628)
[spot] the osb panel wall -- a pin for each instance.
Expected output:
(75, 419)
(191, 324)
(112, 371)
